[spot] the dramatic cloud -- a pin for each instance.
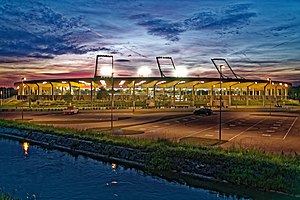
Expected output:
(43, 39)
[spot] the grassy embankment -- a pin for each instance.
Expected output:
(237, 166)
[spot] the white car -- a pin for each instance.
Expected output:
(71, 110)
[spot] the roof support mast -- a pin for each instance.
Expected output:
(159, 65)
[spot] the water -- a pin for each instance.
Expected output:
(31, 172)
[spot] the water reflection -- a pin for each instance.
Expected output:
(114, 166)
(51, 174)
(25, 148)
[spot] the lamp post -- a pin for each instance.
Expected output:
(220, 119)
(112, 101)
(23, 79)
(112, 95)
(270, 83)
(1, 93)
(106, 72)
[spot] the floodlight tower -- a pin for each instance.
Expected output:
(112, 84)
(22, 79)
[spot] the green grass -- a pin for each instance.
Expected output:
(196, 141)
(70, 121)
(237, 166)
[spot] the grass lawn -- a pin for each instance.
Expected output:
(197, 141)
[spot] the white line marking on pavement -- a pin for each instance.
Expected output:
(208, 135)
(197, 132)
(270, 131)
(274, 127)
(266, 135)
(155, 126)
(289, 129)
(246, 130)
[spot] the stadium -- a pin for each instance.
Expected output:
(165, 91)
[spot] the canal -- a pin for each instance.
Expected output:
(32, 172)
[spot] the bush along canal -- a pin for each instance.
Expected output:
(231, 167)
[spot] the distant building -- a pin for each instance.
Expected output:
(7, 92)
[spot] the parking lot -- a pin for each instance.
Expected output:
(278, 132)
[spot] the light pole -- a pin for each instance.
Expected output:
(1, 93)
(270, 83)
(23, 79)
(112, 101)
(112, 95)
(220, 119)
(106, 71)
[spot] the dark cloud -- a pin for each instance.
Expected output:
(246, 61)
(237, 8)
(234, 17)
(8, 60)
(163, 28)
(34, 30)
(140, 16)
(122, 60)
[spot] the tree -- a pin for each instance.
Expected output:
(68, 97)
(102, 93)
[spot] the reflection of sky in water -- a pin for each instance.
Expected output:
(50, 174)
(46, 174)
(50, 39)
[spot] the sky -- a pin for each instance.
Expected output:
(49, 39)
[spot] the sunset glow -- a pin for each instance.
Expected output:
(53, 39)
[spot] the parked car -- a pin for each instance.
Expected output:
(203, 111)
(71, 110)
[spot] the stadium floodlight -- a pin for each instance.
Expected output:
(144, 71)
(106, 70)
(181, 71)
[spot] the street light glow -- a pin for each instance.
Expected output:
(140, 83)
(103, 82)
(122, 82)
(144, 71)
(160, 82)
